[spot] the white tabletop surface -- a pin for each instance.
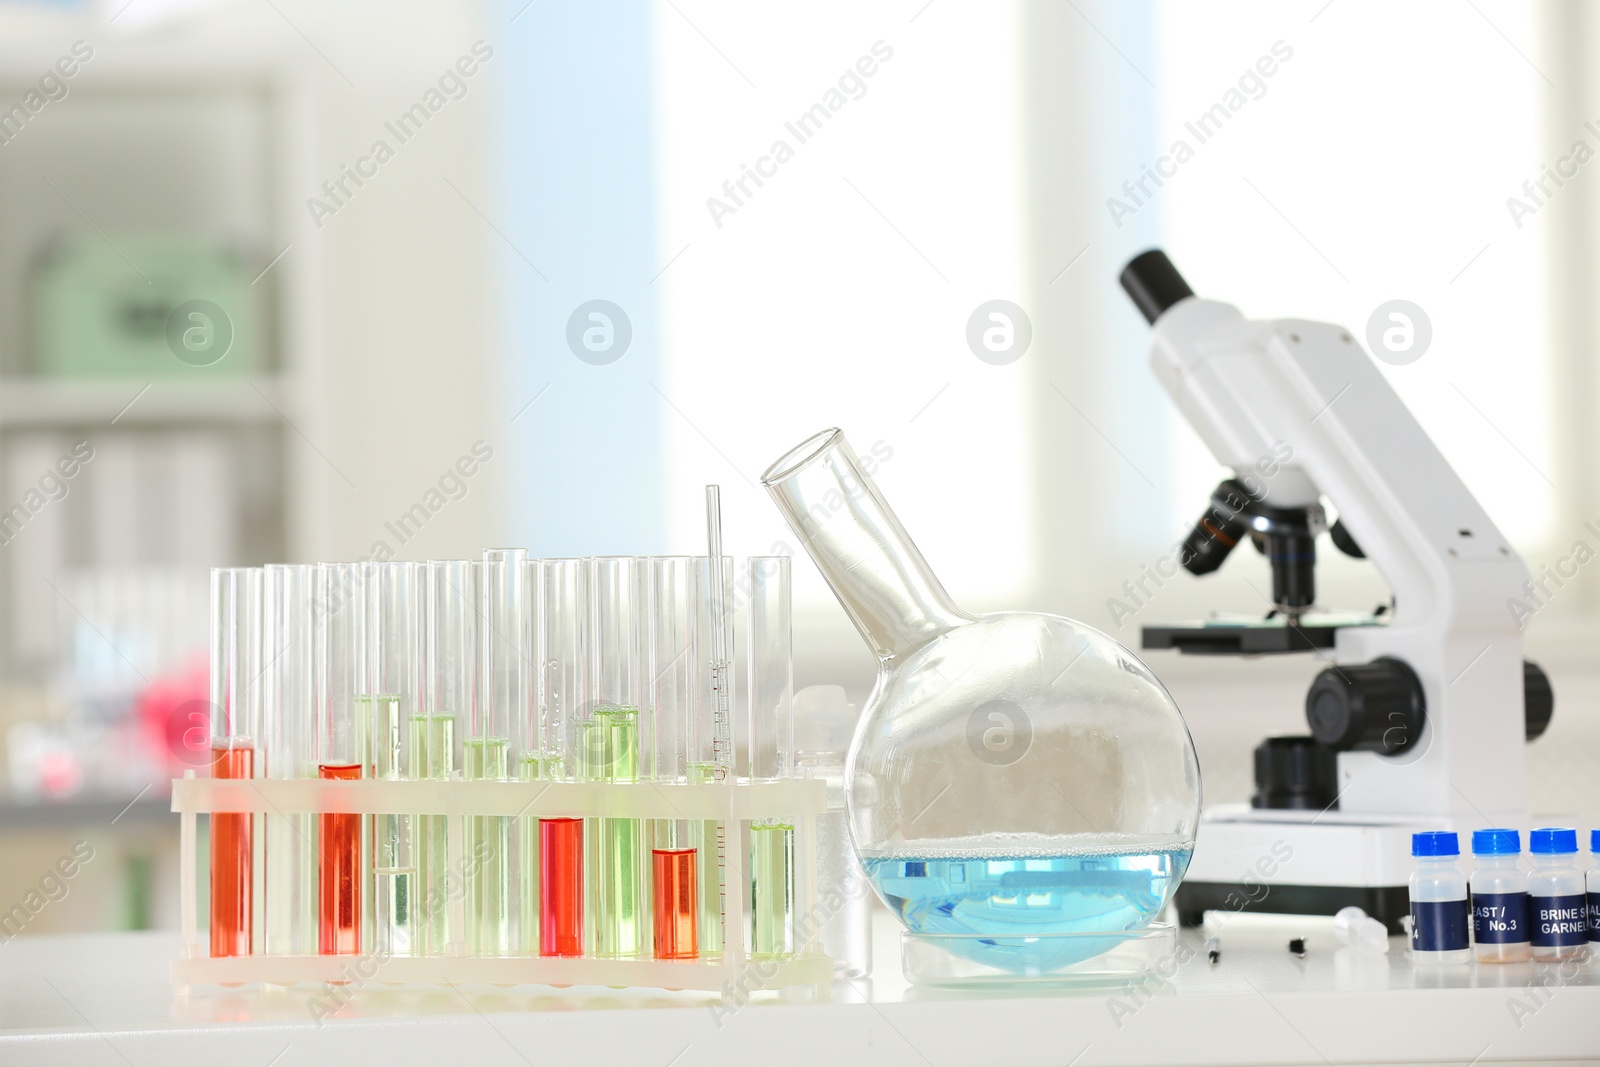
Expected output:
(105, 999)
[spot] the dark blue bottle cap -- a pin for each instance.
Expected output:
(1552, 841)
(1496, 842)
(1435, 843)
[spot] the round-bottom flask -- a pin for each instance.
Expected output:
(1013, 775)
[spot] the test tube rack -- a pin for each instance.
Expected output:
(731, 803)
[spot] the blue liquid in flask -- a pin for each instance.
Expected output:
(1011, 890)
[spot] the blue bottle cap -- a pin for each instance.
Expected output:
(1435, 843)
(1496, 842)
(1594, 840)
(1552, 841)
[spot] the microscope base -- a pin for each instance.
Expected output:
(1387, 904)
(1302, 862)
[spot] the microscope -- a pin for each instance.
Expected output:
(1419, 718)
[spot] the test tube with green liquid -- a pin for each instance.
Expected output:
(486, 753)
(289, 744)
(450, 627)
(388, 700)
(769, 688)
(615, 848)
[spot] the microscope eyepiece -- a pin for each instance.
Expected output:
(1154, 283)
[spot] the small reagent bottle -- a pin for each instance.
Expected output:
(1438, 900)
(1500, 928)
(1556, 900)
(1594, 887)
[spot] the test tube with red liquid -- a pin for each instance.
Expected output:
(563, 591)
(673, 589)
(341, 745)
(235, 729)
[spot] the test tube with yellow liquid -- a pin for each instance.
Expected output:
(486, 753)
(770, 692)
(610, 746)
(387, 701)
(450, 627)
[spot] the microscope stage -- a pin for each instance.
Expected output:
(1253, 636)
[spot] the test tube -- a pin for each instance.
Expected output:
(538, 758)
(610, 753)
(450, 675)
(235, 729)
(386, 699)
(769, 687)
(563, 666)
(485, 754)
(673, 673)
(341, 753)
(710, 754)
(719, 599)
(770, 655)
(289, 719)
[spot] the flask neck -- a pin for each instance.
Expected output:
(863, 552)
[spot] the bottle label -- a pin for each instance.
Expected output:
(1500, 918)
(1559, 921)
(1594, 916)
(1438, 925)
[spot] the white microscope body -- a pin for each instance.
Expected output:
(1249, 386)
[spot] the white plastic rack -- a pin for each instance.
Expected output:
(730, 803)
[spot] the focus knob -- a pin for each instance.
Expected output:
(1538, 699)
(1367, 707)
(1295, 773)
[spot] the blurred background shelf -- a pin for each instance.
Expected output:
(175, 163)
(35, 402)
(86, 809)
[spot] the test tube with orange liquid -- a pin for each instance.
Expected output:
(341, 744)
(553, 876)
(673, 672)
(235, 730)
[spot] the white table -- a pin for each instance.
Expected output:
(104, 999)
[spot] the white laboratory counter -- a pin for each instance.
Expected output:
(105, 999)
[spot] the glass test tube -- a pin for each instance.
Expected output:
(387, 698)
(341, 751)
(709, 758)
(538, 757)
(450, 672)
(673, 673)
(288, 728)
(610, 753)
(563, 663)
(485, 753)
(235, 728)
(769, 688)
